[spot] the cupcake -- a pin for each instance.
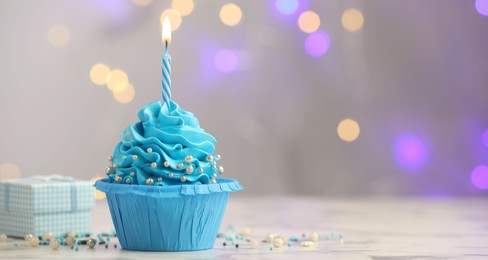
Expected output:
(163, 187)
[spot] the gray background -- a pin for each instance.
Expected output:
(416, 67)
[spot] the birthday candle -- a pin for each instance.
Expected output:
(166, 69)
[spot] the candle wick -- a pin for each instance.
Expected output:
(166, 46)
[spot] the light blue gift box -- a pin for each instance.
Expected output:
(41, 204)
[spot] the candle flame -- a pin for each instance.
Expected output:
(166, 30)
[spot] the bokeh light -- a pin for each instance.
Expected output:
(410, 152)
(9, 171)
(174, 18)
(317, 44)
(225, 61)
(479, 177)
(287, 6)
(142, 2)
(485, 138)
(352, 20)
(98, 194)
(99, 73)
(482, 7)
(125, 96)
(309, 22)
(183, 7)
(117, 80)
(230, 14)
(348, 130)
(59, 35)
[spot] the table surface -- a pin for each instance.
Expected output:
(372, 228)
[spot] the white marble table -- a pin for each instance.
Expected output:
(373, 228)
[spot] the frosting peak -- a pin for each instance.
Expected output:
(166, 147)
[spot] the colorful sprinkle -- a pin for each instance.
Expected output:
(254, 244)
(294, 239)
(314, 236)
(246, 232)
(307, 244)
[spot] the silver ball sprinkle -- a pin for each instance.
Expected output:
(127, 181)
(180, 165)
(47, 236)
(54, 244)
(221, 169)
(70, 241)
(34, 242)
(132, 174)
(134, 157)
(118, 178)
(200, 170)
(28, 237)
(214, 167)
(209, 158)
(115, 165)
(149, 150)
(149, 181)
(91, 243)
(188, 159)
(171, 175)
(71, 234)
(189, 169)
(166, 164)
(183, 178)
(154, 164)
(110, 158)
(213, 180)
(217, 157)
(214, 175)
(160, 179)
(108, 170)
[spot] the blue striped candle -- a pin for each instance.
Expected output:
(166, 69)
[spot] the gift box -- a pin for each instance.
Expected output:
(41, 204)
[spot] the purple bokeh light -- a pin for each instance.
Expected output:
(287, 6)
(317, 44)
(118, 13)
(479, 177)
(485, 138)
(225, 61)
(411, 152)
(482, 7)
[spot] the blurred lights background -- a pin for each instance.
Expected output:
(269, 79)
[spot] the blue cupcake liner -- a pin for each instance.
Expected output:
(167, 218)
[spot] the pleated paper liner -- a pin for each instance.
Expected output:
(167, 218)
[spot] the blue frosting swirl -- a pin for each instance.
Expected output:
(167, 147)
